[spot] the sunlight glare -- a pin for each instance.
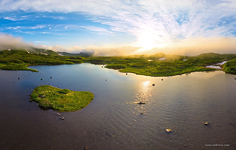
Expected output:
(145, 84)
(147, 40)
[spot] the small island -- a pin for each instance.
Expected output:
(62, 100)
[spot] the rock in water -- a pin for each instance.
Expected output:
(169, 130)
(140, 103)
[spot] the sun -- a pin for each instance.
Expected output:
(150, 39)
(147, 40)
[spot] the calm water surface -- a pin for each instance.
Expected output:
(113, 120)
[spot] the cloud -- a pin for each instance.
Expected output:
(189, 47)
(9, 42)
(194, 46)
(98, 51)
(156, 24)
(166, 21)
(96, 29)
(27, 27)
(16, 18)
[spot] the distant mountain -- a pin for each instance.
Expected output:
(82, 54)
(42, 51)
(53, 53)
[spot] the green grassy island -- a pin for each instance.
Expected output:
(150, 65)
(63, 100)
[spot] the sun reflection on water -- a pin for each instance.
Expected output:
(143, 95)
(143, 91)
(145, 84)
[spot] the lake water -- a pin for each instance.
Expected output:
(113, 120)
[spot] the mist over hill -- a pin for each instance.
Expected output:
(191, 47)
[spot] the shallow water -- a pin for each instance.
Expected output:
(113, 120)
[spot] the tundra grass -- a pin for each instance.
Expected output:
(230, 66)
(143, 65)
(63, 100)
(20, 60)
(172, 65)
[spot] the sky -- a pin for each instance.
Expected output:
(120, 26)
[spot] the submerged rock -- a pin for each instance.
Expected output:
(86, 147)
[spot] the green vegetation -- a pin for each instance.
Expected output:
(21, 59)
(230, 66)
(49, 97)
(152, 65)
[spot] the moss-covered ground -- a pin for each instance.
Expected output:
(20, 60)
(63, 100)
(172, 64)
(230, 66)
(153, 65)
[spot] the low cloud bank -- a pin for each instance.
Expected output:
(97, 51)
(184, 47)
(197, 46)
(9, 42)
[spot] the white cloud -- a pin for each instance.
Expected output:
(8, 41)
(27, 27)
(96, 29)
(16, 18)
